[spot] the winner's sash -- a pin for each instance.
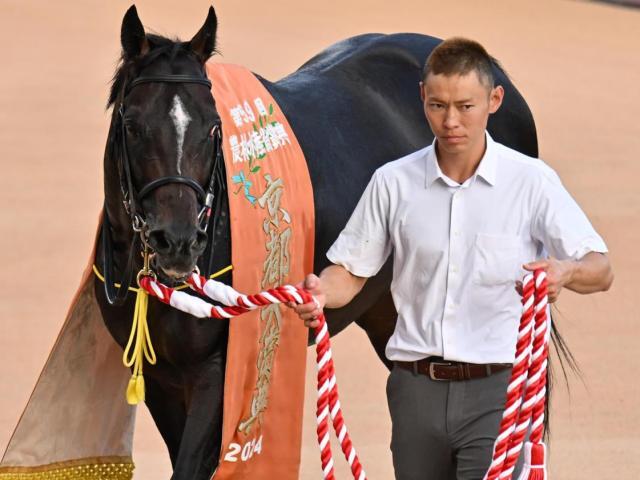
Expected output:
(272, 232)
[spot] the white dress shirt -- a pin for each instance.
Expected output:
(458, 249)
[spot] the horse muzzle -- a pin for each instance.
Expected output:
(176, 252)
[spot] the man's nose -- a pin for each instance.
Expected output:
(451, 118)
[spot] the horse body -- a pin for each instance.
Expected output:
(353, 107)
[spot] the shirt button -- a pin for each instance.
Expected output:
(454, 269)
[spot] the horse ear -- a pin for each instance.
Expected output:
(203, 43)
(132, 36)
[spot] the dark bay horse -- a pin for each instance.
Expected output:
(353, 107)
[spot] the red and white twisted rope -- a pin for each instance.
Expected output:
(526, 391)
(535, 450)
(328, 404)
(525, 394)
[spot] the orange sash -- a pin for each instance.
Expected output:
(272, 231)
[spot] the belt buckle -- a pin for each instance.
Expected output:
(432, 372)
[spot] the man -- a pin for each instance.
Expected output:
(462, 217)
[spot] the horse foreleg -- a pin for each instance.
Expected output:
(202, 436)
(167, 408)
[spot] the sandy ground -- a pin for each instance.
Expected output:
(577, 64)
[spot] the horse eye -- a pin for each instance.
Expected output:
(131, 130)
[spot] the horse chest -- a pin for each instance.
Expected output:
(182, 339)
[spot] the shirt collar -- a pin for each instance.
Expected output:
(486, 169)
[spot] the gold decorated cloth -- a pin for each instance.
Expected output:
(77, 423)
(272, 234)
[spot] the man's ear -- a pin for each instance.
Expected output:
(495, 98)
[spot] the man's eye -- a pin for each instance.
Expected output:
(467, 107)
(435, 106)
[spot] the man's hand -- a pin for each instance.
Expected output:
(559, 273)
(310, 311)
(334, 289)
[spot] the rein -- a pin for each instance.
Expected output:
(132, 200)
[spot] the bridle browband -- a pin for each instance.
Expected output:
(168, 79)
(131, 200)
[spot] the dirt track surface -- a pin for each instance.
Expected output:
(577, 64)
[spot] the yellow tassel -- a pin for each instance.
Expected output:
(132, 397)
(138, 348)
(140, 388)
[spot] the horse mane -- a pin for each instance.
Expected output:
(500, 67)
(159, 47)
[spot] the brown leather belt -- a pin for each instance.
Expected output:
(438, 369)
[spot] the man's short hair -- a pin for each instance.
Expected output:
(459, 56)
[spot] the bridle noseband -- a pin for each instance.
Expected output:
(132, 200)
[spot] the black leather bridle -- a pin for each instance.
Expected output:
(132, 200)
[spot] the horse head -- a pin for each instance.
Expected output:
(163, 143)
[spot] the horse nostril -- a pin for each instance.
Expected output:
(159, 241)
(200, 242)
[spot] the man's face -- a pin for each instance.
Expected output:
(457, 109)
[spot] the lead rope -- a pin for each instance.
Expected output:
(328, 404)
(526, 391)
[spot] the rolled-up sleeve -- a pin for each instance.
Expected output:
(364, 244)
(561, 225)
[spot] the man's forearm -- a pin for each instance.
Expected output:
(592, 273)
(340, 286)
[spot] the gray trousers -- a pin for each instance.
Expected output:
(444, 430)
